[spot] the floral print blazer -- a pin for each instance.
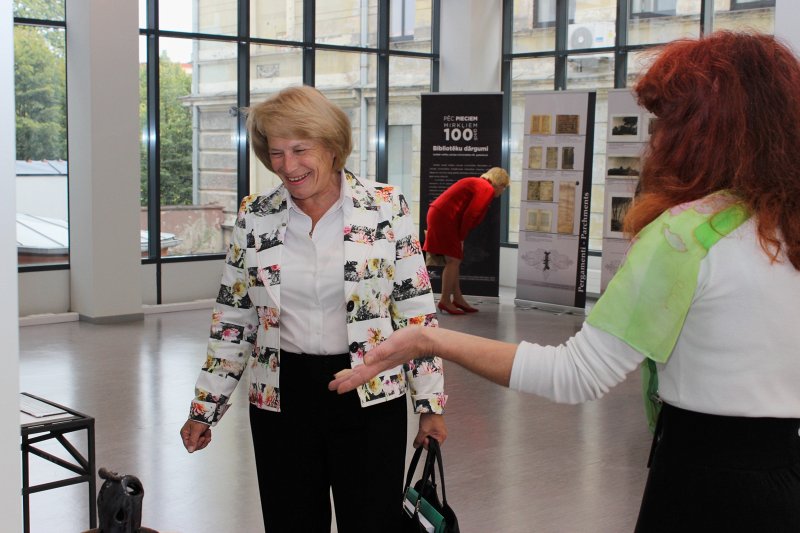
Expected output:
(386, 287)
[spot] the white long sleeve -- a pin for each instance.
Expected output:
(737, 353)
(584, 368)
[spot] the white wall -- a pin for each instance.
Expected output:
(471, 45)
(182, 282)
(10, 459)
(43, 292)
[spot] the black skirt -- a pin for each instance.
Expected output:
(721, 473)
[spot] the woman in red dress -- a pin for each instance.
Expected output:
(450, 218)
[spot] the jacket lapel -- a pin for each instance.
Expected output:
(361, 218)
(269, 229)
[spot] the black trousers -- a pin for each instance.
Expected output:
(323, 441)
(713, 473)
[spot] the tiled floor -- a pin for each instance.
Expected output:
(514, 463)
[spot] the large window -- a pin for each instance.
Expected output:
(41, 133)
(205, 61)
(581, 45)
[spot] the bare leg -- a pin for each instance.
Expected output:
(450, 281)
(458, 298)
(450, 278)
(452, 273)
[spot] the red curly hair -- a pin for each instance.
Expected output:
(727, 113)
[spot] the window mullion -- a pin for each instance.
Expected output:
(309, 38)
(382, 95)
(242, 99)
(562, 18)
(621, 41)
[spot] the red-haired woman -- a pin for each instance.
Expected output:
(707, 297)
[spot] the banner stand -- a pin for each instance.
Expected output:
(552, 253)
(462, 136)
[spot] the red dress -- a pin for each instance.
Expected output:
(455, 213)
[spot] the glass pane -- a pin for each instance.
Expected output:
(276, 19)
(41, 145)
(745, 18)
(349, 80)
(528, 75)
(534, 26)
(592, 25)
(638, 63)
(408, 78)
(39, 9)
(198, 132)
(272, 68)
(142, 13)
(143, 144)
(410, 25)
(660, 21)
(347, 22)
(590, 71)
(198, 16)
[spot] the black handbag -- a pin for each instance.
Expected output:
(423, 512)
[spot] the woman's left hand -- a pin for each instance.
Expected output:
(430, 425)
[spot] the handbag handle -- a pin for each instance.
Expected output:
(434, 455)
(427, 470)
(412, 467)
(435, 451)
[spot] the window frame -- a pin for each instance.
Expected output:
(383, 51)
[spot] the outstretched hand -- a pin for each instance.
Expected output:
(402, 346)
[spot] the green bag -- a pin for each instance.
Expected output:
(419, 514)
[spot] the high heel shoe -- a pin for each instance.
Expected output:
(466, 308)
(451, 310)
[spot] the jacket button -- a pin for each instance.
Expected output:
(350, 306)
(353, 347)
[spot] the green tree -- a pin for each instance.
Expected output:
(45, 10)
(175, 133)
(40, 92)
(39, 9)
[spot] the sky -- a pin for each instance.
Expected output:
(173, 15)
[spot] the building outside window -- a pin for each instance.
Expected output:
(41, 133)
(538, 64)
(200, 98)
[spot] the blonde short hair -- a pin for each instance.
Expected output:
(300, 112)
(497, 176)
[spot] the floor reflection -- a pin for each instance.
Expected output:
(514, 463)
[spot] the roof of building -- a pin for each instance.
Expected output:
(50, 236)
(41, 168)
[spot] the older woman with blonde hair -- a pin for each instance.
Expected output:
(320, 271)
(456, 212)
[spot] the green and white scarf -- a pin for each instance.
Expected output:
(647, 301)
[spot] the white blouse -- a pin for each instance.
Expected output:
(738, 353)
(313, 318)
